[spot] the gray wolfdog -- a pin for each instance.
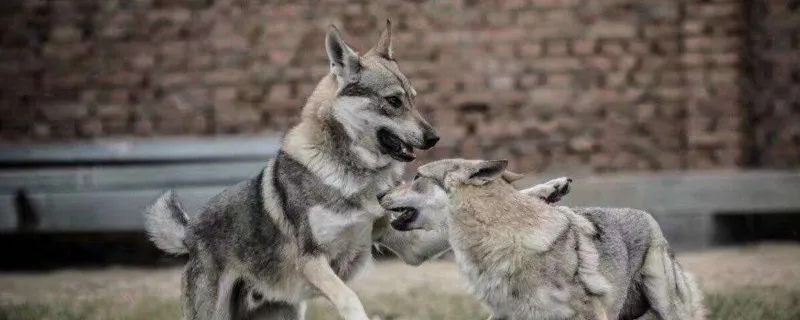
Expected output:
(528, 260)
(303, 226)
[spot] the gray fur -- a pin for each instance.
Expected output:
(165, 222)
(307, 222)
(528, 260)
(638, 261)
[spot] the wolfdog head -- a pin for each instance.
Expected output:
(375, 102)
(426, 201)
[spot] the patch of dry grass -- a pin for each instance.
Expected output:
(420, 303)
(755, 282)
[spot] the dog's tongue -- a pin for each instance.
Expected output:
(408, 151)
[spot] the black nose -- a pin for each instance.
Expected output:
(382, 194)
(429, 140)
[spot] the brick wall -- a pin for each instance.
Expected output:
(772, 89)
(605, 85)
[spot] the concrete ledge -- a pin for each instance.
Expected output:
(690, 192)
(111, 198)
(104, 211)
(105, 185)
(144, 150)
(686, 204)
(128, 177)
(8, 216)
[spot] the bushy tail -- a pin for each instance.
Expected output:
(698, 308)
(670, 289)
(165, 222)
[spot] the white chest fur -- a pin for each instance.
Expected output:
(337, 232)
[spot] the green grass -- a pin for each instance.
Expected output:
(97, 310)
(752, 303)
(756, 303)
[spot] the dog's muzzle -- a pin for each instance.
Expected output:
(391, 144)
(429, 139)
(407, 216)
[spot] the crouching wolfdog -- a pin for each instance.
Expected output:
(303, 226)
(526, 259)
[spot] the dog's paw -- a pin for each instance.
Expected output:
(561, 187)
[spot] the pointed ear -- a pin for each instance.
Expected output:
(344, 60)
(486, 171)
(384, 46)
(510, 176)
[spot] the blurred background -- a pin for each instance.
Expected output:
(687, 108)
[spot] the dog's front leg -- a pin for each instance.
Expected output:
(318, 272)
(414, 247)
(599, 309)
(224, 291)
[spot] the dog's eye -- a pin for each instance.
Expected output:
(416, 177)
(394, 101)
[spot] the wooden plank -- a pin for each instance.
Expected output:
(145, 150)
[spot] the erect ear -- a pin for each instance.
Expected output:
(384, 46)
(510, 176)
(344, 60)
(486, 171)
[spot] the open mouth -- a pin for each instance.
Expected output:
(557, 194)
(404, 220)
(392, 145)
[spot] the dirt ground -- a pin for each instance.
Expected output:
(764, 265)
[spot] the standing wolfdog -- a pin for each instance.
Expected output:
(529, 260)
(304, 225)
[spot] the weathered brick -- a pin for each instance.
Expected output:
(527, 50)
(112, 111)
(584, 46)
(612, 30)
(224, 95)
(557, 48)
(660, 31)
(224, 76)
(91, 127)
(59, 112)
(711, 44)
(501, 82)
(555, 64)
(65, 34)
(612, 48)
(550, 96)
(713, 11)
(280, 93)
(692, 60)
(600, 63)
(229, 43)
(143, 61)
(172, 80)
(609, 85)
